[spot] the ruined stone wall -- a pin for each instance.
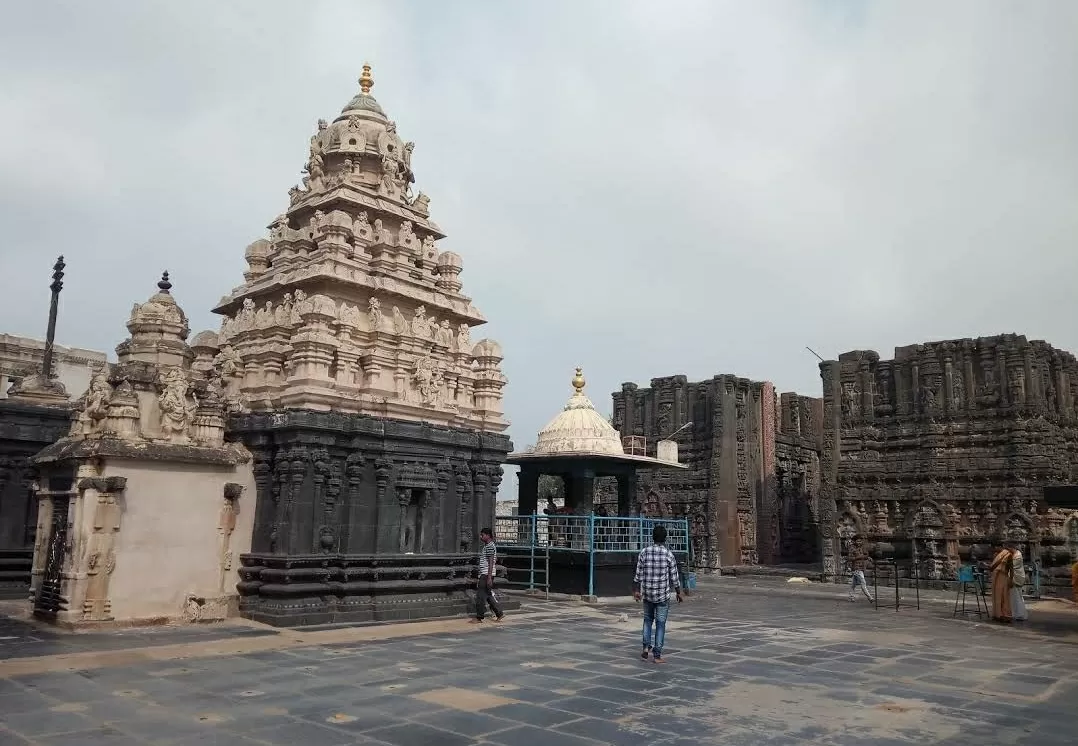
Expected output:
(947, 447)
(740, 508)
(795, 531)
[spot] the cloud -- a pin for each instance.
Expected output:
(642, 189)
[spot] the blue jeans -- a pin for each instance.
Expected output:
(655, 614)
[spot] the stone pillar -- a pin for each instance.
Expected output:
(528, 491)
(424, 508)
(226, 526)
(95, 525)
(404, 499)
(579, 493)
(441, 515)
(626, 493)
(829, 462)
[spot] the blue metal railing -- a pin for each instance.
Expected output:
(589, 533)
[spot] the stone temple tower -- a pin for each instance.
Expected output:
(374, 418)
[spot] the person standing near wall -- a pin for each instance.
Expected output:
(1018, 583)
(484, 591)
(858, 563)
(656, 576)
(1074, 582)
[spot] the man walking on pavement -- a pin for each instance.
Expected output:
(484, 592)
(858, 562)
(656, 575)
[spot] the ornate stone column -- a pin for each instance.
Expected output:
(383, 472)
(226, 525)
(425, 508)
(461, 482)
(829, 463)
(99, 498)
(353, 471)
(443, 473)
(404, 499)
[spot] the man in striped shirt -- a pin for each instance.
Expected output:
(484, 592)
(656, 575)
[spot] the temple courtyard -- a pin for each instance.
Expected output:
(747, 664)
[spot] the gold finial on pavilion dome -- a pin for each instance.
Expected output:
(366, 82)
(578, 381)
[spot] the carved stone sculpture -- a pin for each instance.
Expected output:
(374, 314)
(400, 324)
(96, 407)
(176, 404)
(421, 325)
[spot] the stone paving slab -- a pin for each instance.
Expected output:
(23, 639)
(742, 669)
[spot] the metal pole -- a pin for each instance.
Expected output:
(532, 540)
(591, 555)
(54, 302)
(896, 585)
(546, 580)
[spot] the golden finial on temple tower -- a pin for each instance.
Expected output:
(366, 82)
(578, 381)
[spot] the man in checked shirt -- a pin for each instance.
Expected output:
(656, 574)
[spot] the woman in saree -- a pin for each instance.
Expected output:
(1002, 571)
(1074, 581)
(1018, 583)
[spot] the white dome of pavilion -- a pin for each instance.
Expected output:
(579, 428)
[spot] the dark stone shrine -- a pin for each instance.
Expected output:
(362, 519)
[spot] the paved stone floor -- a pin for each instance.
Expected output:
(744, 669)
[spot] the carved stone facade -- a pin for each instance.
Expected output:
(374, 418)
(130, 522)
(361, 518)
(947, 447)
(349, 305)
(753, 474)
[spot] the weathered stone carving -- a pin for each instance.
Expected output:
(335, 369)
(325, 347)
(176, 403)
(427, 380)
(101, 554)
(421, 325)
(93, 407)
(955, 463)
(735, 516)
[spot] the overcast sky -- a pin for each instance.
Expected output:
(640, 188)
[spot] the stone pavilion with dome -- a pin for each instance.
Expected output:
(579, 446)
(582, 555)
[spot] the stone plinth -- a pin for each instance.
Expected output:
(301, 590)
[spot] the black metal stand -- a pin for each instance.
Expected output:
(913, 575)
